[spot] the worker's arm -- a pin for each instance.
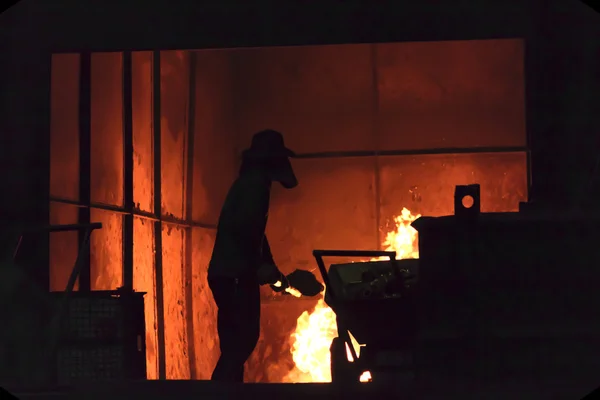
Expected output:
(267, 256)
(268, 271)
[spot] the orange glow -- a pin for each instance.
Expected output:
(289, 290)
(468, 201)
(296, 90)
(314, 332)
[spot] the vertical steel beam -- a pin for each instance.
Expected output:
(127, 171)
(85, 132)
(189, 204)
(158, 259)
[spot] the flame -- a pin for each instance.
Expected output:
(314, 332)
(290, 290)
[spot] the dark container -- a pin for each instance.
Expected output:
(102, 338)
(509, 293)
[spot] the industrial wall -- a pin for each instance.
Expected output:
(561, 84)
(332, 103)
(432, 107)
(195, 119)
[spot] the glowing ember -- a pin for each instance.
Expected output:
(290, 290)
(315, 330)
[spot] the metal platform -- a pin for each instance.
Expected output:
(433, 388)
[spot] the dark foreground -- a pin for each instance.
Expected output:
(568, 389)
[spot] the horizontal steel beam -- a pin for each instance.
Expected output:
(416, 152)
(136, 212)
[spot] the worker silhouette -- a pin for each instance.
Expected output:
(241, 260)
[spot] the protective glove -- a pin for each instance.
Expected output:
(281, 284)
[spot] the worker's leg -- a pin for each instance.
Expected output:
(238, 325)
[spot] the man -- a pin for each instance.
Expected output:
(241, 260)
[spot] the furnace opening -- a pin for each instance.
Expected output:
(383, 132)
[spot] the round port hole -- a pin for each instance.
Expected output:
(468, 201)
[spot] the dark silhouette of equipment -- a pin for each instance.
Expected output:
(496, 295)
(62, 338)
(508, 294)
(373, 304)
(467, 201)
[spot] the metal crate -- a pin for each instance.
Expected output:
(93, 318)
(99, 363)
(102, 338)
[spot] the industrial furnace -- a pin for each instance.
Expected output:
(147, 143)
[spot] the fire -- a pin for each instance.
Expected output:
(315, 331)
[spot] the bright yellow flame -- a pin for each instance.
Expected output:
(290, 290)
(314, 332)
(366, 376)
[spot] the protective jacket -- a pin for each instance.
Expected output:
(241, 245)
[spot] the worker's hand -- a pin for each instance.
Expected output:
(281, 284)
(268, 274)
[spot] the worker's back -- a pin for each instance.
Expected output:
(232, 255)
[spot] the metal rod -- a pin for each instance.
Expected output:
(138, 213)
(189, 204)
(85, 112)
(158, 259)
(528, 61)
(376, 137)
(43, 157)
(83, 252)
(127, 170)
(63, 228)
(354, 253)
(324, 274)
(417, 152)
(53, 228)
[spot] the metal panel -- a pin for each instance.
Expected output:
(189, 203)
(127, 171)
(107, 128)
(63, 246)
(85, 110)
(320, 97)
(451, 94)
(206, 342)
(64, 126)
(144, 281)
(177, 361)
(425, 184)
(174, 114)
(143, 175)
(332, 207)
(158, 259)
(106, 249)
(214, 139)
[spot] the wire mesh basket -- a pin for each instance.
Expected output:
(101, 338)
(77, 364)
(92, 318)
